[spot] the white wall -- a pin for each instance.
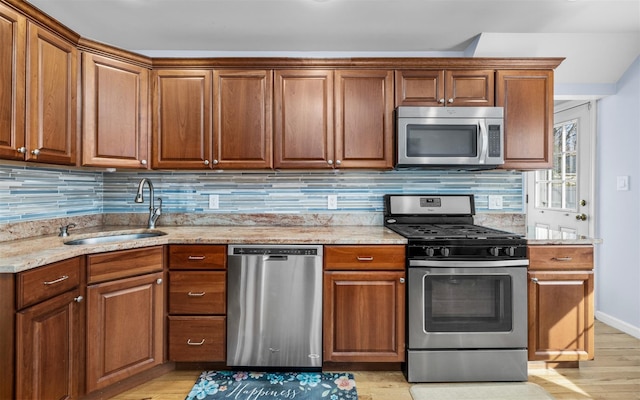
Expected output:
(618, 212)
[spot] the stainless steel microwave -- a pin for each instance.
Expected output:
(450, 137)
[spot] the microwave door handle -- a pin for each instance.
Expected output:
(484, 141)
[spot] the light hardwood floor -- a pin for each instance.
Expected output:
(613, 375)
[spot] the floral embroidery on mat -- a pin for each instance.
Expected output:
(245, 385)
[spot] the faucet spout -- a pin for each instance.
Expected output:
(154, 213)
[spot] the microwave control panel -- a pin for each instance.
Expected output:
(494, 140)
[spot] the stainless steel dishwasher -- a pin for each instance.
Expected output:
(274, 306)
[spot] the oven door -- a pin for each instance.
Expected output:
(467, 304)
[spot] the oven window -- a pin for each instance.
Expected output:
(468, 303)
(442, 140)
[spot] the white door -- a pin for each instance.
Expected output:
(561, 198)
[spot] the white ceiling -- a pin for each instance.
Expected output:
(599, 38)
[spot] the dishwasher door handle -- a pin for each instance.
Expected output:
(275, 258)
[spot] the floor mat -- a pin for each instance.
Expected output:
(477, 391)
(244, 385)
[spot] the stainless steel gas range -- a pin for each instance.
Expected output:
(467, 292)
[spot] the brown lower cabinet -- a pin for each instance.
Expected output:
(197, 303)
(364, 304)
(48, 332)
(125, 325)
(561, 315)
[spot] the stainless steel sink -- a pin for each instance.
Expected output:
(119, 237)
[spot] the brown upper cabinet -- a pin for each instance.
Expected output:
(242, 119)
(309, 135)
(52, 101)
(459, 88)
(38, 92)
(114, 88)
(181, 104)
(12, 83)
(527, 98)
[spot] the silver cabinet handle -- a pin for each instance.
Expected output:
(190, 343)
(535, 280)
(78, 299)
(562, 258)
(159, 281)
(196, 258)
(22, 150)
(35, 152)
(365, 258)
(62, 278)
(196, 294)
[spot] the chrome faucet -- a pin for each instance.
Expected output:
(154, 213)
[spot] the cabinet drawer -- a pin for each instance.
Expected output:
(384, 257)
(196, 256)
(195, 292)
(121, 264)
(197, 338)
(560, 257)
(45, 282)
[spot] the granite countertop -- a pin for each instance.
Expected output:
(541, 236)
(21, 255)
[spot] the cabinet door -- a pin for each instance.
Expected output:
(182, 119)
(527, 98)
(12, 83)
(364, 119)
(242, 119)
(47, 343)
(470, 88)
(561, 316)
(364, 316)
(303, 116)
(115, 113)
(419, 88)
(124, 329)
(52, 101)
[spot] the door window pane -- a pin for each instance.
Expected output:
(557, 187)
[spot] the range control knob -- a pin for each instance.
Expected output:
(429, 251)
(494, 251)
(444, 251)
(510, 251)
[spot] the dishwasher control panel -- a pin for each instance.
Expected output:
(274, 250)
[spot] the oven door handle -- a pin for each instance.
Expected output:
(468, 264)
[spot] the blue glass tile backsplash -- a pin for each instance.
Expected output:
(28, 193)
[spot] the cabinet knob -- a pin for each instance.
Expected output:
(78, 299)
(143, 162)
(338, 162)
(441, 101)
(534, 280)
(450, 101)
(206, 162)
(22, 150)
(159, 281)
(35, 152)
(401, 280)
(215, 162)
(330, 162)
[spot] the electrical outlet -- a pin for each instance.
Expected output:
(214, 201)
(495, 202)
(332, 202)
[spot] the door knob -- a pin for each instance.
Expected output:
(583, 203)
(581, 217)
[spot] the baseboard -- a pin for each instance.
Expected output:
(618, 324)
